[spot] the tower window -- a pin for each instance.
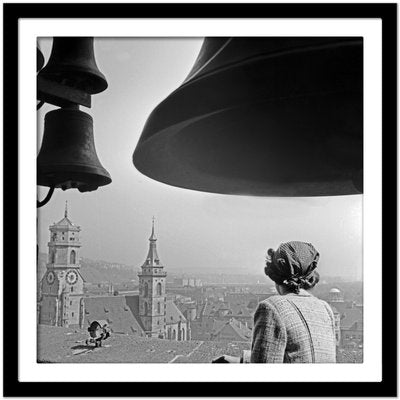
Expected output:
(159, 308)
(146, 289)
(159, 289)
(72, 257)
(72, 314)
(72, 288)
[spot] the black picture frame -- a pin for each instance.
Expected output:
(12, 13)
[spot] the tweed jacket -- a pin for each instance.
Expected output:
(293, 328)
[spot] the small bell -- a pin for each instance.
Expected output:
(72, 63)
(68, 158)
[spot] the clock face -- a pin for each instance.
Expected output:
(50, 277)
(71, 277)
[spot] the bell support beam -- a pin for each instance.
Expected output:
(61, 95)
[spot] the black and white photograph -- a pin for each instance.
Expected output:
(235, 235)
(208, 190)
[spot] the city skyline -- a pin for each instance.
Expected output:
(218, 269)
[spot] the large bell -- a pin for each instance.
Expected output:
(262, 116)
(39, 59)
(72, 63)
(67, 158)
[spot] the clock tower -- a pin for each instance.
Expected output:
(152, 299)
(62, 284)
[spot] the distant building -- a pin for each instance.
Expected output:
(181, 282)
(198, 282)
(348, 321)
(335, 296)
(351, 329)
(188, 309)
(64, 303)
(152, 299)
(188, 282)
(160, 317)
(231, 330)
(62, 284)
(336, 316)
(121, 312)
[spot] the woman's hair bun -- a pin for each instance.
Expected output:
(270, 252)
(311, 281)
(293, 285)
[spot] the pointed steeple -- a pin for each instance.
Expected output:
(152, 259)
(66, 221)
(152, 238)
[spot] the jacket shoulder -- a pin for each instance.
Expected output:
(272, 302)
(278, 301)
(269, 308)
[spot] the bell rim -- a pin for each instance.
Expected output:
(343, 186)
(101, 180)
(39, 59)
(299, 189)
(148, 151)
(97, 79)
(73, 168)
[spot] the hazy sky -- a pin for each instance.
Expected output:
(194, 229)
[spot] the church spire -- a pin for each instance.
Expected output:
(153, 236)
(152, 258)
(66, 221)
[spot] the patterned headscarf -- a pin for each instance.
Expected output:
(292, 264)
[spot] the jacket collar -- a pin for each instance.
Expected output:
(303, 293)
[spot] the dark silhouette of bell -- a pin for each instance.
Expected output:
(39, 59)
(68, 158)
(263, 116)
(72, 62)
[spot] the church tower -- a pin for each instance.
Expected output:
(152, 299)
(62, 284)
